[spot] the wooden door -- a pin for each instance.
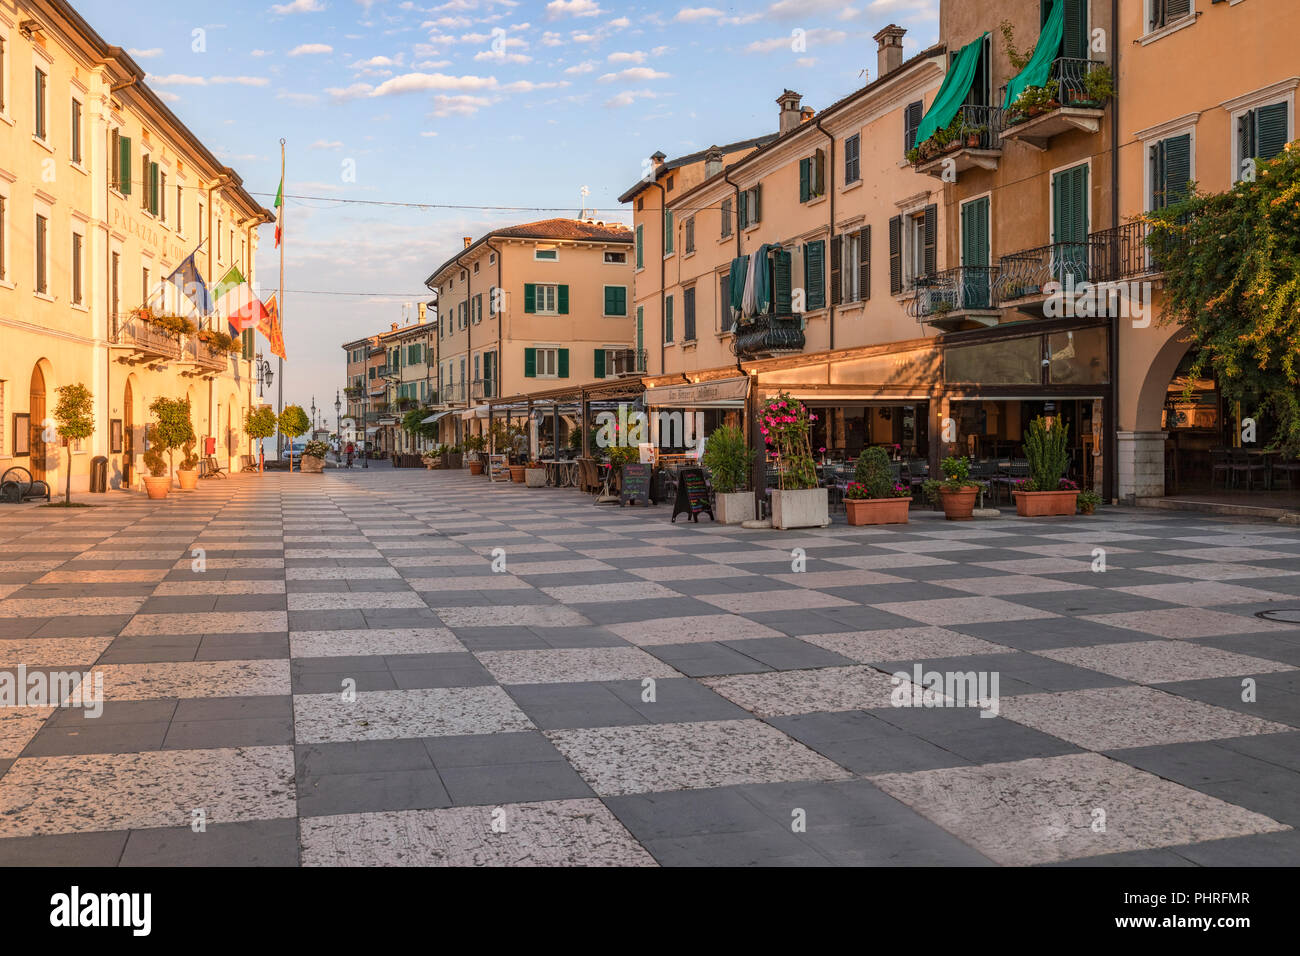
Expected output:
(36, 406)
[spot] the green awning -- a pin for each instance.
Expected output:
(1039, 68)
(956, 85)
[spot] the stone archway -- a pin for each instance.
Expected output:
(1141, 458)
(129, 442)
(36, 394)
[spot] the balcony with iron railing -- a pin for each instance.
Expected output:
(481, 388)
(1074, 98)
(146, 340)
(625, 362)
(956, 297)
(206, 355)
(1123, 253)
(453, 393)
(1024, 276)
(972, 140)
(768, 334)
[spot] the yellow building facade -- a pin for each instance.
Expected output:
(103, 193)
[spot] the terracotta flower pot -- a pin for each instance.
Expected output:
(535, 477)
(959, 505)
(157, 487)
(189, 479)
(877, 510)
(1038, 504)
(475, 467)
(311, 465)
(517, 474)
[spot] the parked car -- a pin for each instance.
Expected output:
(297, 447)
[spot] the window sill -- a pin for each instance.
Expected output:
(79, 306)
(689, 345)
(852, 306)
(856, 184)
(44, 296)
(815, 201)
(608, 316)
(78, 167)
(817, 313)
(6, 119)
(754, 228)
(1164, 31)
(42, 144)
(722, 239)
(688, 255)
(669, 344)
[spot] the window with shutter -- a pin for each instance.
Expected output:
(930, 263)
(819, 173)
(690, 235)
(864, 263)
(668, 319)
(1171, 170)
(1165, 12)
(688, 315)
(852, 148)
(530, 363)
(563, 307)
(743, 206)
(912, 117)
(640, 250)
(805, 179)
(726, 218)
(814, 274)
(1271, 132)
(598, 363)
(563, 371)
(530, 294)
(782, 283)
(837, 256)
(668, 232)
(896, 255)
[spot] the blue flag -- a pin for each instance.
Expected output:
(191, 284)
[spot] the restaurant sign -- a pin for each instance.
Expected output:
(724, 393)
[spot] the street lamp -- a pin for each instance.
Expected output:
(338, 411)
(264, 373)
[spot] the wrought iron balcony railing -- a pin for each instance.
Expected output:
(145, 337)
(625, 362)
(977, 127)
(453, 393)
(769, 334)
(964, 289)
(483, 388)
(206, 354)
(1122, 253)
(1024, 274)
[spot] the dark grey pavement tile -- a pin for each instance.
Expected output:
(246, 843)
(1260, 849)
(706, 658)
(64, 849)
(1051, 632)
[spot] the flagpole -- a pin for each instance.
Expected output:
(280, 308)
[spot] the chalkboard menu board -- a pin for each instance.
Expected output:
(636, 484)
(498, 467)
(692, 495)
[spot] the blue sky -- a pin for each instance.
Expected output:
(468, 102)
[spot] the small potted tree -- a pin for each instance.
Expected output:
(74, 418)
(156, 483)
(473, 444)
(956, 492)
(798, 501)
(172, 428)
(1047, 492)
(187, 475)
(875, 497)
(730, 460)
(535, 474)
(259, 423)
(293, 422)
(1088, 501)
(313, 457)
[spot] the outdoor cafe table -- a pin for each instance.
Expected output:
(561, 473)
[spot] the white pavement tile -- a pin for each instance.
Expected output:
(392, 714)
(691, 630)
(569, 665)
(1163, 661)
(903, 644)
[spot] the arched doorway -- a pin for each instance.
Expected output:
(128, 436)
(36, 408)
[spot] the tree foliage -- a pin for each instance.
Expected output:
(74, 418)
(1231, 264)
(172, 426)
(293, 422)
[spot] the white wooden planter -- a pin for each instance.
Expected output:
(805, 508)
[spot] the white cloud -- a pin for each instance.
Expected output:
(637, 74)
(310, 49)
(634, 56)
(573, 8)
(552, 39)
(326, 144)
(462, 105)
(692, 14)
(527, 86)
(627, 98)
(586, 66)
(182, 79)
(298, 6)
(376, 61)
(260, 53)
(619, 23)
(166, 97)
(814, 36)
(145, 54)
(415, 83)
(502, 57)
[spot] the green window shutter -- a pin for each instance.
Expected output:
(814, 273)
(153, 188)
(530, 363)
(742, 209)
(598, 363)
(640, 251)
(250, 345)
(864, 262)
(1178, 167)
(1271, 130)
(974, 233)
(782, 303)
(563, 299)
(1245, 142)
(668, 231)
(668, 319)
(563, 363)
(124, 164)
(1074, 38)
(610, 303)
(530, 297)
(896, 255)
(640, 327)
(837, 254)
(621, 300)
(804, 176)
(757, 212)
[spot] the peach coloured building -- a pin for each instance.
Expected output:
(532, 307)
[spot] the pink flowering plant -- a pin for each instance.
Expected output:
(786, 426)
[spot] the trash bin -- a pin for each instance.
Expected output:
(99, 474)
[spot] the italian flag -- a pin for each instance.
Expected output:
(236, 301)
(279, 210)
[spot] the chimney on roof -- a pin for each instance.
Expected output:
(658, 158)
(469, 241)
(890, 52)
(806, 114)
(712, 161)
(394, 327)
(789, 115)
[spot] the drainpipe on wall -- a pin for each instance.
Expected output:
(735, 189)
(1110, 472)
(500, 317)
(830, 228)
(469, 331)
(663, 275)
(758, 468)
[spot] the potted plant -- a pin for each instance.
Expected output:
(1088, 501)
(875, 497)
(453, 456)
(74, 417)
(535, 474)
(259, 423)
(730, 461)
(1098, 87)
(187, 475)
(474, 445)
(171, 428)
(156, 483)
(798, 501)
(313, 457)
(293, 422)
(620, 455)
(1047, 492)
(956, 492)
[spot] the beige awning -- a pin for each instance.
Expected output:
(723, 393)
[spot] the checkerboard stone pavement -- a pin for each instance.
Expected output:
(628, 691)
